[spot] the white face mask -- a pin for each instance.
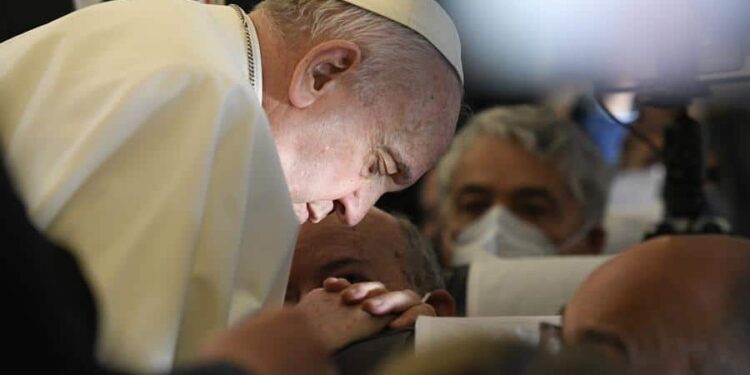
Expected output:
(500, 233)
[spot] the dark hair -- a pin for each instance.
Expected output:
(422, 267)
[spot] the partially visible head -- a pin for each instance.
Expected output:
(542, 169)
(380, 248)
(478, 355)
(673, 305)
(359, 105)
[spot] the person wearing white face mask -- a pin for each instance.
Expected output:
(519, 181)
(501, 233)
(518, 189)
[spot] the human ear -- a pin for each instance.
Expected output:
(442, 302)
(321, 70)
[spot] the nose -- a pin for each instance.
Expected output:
(319, 210)
(352, 208)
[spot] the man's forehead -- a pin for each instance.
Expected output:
(416, 154)
(426, 127)
(415, 158)
(490, 150)
(660, 277)
(329, 233)
(331, 236)
(481, 167)
(708, 260)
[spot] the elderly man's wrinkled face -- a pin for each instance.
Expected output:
(663, 306)
(495, 171)
(342, 149)
(374, 250)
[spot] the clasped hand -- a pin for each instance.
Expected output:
(325, 320)
(342, 312)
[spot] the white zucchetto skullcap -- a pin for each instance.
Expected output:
(425, 17)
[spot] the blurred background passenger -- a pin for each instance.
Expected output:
(673, 305)
(483, 356)
(520, 181)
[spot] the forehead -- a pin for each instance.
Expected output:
(331, 239)
(425, 113)
(647, 297)
(505, 165)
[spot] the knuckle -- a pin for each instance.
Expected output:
(377, 285)
(411, 294)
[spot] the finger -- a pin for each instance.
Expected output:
(392, 302)
(360, 291)
(409, 317)
(374, 293)
(335, 284)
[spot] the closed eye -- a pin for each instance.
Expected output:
(393, 165)
(533, 203)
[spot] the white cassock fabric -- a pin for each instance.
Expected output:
(136, 141)
(525, 286)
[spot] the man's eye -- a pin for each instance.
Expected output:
(531, 210)
(386, 165)
(474, 207)
(354, 278)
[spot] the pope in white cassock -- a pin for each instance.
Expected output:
(170, 144)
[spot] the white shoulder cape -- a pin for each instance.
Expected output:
(136, 141)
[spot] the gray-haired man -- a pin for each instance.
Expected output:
(519, 181)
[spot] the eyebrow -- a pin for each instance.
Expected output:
(533, 192)
(473, 189)
(340, 263)
(536, 193)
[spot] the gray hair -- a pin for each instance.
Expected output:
(543, 133)
(422, 268)
(402, 51)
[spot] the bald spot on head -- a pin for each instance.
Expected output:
(373, 250)
(661, 301)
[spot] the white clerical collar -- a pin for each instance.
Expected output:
(254, 60)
